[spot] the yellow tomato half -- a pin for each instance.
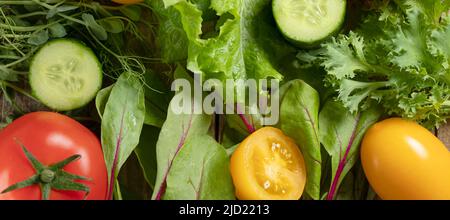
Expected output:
(403, 160)
(268, 165)
(127, 2)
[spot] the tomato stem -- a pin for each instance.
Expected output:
(47, 176)
(50, 177)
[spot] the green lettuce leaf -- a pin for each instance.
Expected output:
(247, 45)
(172, 39)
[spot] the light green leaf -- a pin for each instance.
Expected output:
(409, 43)
(200, 172)
(299, 114)
(177, 129)
(248, 44)
(171, 36)
(101, 99)
(431, 8)
(341, 60)
(439, 43)
(122, 121)
(341, 133)
(352, 92)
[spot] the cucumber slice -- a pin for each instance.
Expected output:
(65, 74)
(307, 23)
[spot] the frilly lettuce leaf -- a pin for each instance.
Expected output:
(344, 57)
(399, 58)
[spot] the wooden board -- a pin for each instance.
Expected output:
(443, 133)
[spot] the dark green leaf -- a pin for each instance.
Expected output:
(7, 74)
(133, 12)
(354, 186)
(146, 153)
(157, 98)
(153, 115)
(64, 8)
(112, 25)
(57, 30)
(38, 38)
(100, 9)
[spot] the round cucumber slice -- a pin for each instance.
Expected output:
(65, 74)
(307, 23)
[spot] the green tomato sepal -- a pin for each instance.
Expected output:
(51, 177)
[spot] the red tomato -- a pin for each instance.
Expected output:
(51, 138)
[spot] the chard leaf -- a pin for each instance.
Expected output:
(101, 99)
(299, 112)
(153, 115)
(157, 100)
(122, 122)
(177, 129)
(354, 186)
(200, 172)
(146, 153)
(243, 122)
(341, 133)
(248, 44)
